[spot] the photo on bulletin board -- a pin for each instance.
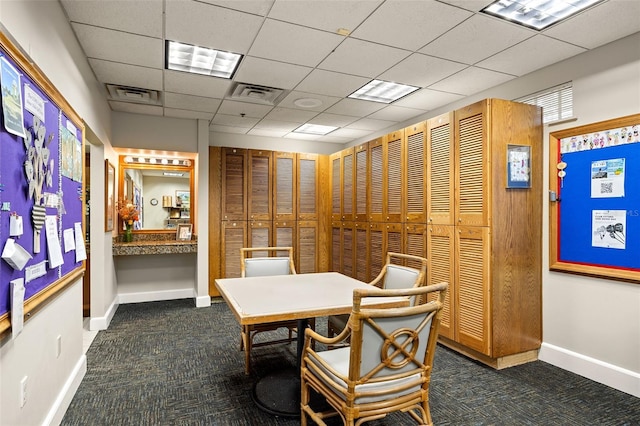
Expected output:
(110, 196)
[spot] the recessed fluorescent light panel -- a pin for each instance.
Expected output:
(201, 60)
(382, 91)
(537, 14)
(314, 129)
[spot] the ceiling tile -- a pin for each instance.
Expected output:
(471, 80)
(249, 110)
(428, 99)
(118, 46)
(331, 138)
(190, 102)
(324, 15)
(326, 119)
(183, 113)
(292, 115)
(421, 70)
(276, 125)
(331, 83)
(257, 7)
(396, 113)
(210, 26)
(135, 108)
(127, 75)
(409, 24)
(270, 73)
(614, 19)
(137, 17)
(355, 107)
(370, 124)
(327, 101)
(234, 121)
(472, 5)
(268, 133)
(350, 133)
(363, 58)
(194, 84)
(285, 42)
(534, 53)
(476, 39)
(228, 129)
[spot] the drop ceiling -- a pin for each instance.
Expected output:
(317, 50)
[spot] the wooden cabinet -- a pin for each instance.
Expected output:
(234, 182)
(489, 248)
(361, 176)
(375, 183)
(260, 172)
(233, 238)
(394, 176)
(308, 186)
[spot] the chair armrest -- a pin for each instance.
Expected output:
(313, 335)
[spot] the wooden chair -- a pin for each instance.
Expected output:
(393, 275)
(279, 263)
(387, 366)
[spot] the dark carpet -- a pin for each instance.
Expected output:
(168, 363)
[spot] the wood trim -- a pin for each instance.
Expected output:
(215, 204)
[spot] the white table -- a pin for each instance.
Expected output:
(257, 300)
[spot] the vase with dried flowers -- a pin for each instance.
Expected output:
(128, 212)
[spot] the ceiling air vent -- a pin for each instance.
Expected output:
(133, 94)
(256, 94)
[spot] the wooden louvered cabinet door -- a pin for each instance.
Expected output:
(441, 259)
(347, 255)
(336, 246)
(440, 170)
(361, 245)
(347, 163)
(472, 148)
(415, 207)
(284, 234)
(392, 238)
(233, 238)
(376, 251)
(375, 186)
(260, 191)
(307, 247)
(361, 157)
(285, 185)
(414, 242)
(307, 186)
(336, 186)
(394, 180)
(260, 236)
(472, 276)
(234, 184)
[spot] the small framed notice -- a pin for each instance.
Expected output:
(518, 166)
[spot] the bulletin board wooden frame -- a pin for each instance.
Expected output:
(558, 241)
(57, 279)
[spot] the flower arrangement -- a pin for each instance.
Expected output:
(128, 212)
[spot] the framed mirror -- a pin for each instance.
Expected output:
(160, 189)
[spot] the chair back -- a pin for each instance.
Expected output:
(280, 264)
(397, 276)
(394, 343)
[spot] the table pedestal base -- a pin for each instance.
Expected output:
(279, 393)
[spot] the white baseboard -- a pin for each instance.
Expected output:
(102, 323)
(618, 378)
(62, 402)
(154, 296)
(203, 301)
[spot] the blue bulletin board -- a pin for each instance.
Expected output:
(41, 186)
(595, 199)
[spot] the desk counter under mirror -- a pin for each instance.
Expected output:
(160, 186)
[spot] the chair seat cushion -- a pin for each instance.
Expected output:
(338, 359)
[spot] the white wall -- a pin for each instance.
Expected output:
(52, 381)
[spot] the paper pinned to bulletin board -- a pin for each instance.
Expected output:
(595, 199)
(41, 185)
